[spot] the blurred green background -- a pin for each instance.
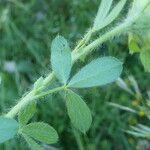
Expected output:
(26, 31)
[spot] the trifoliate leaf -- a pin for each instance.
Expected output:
(61, 58)
(8, 129)
(78, 111)
(145, 58)
(99, 72)
(32, 144)
(27, 113)
(42, 132)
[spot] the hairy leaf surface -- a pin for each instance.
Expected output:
(99, 72)
(78, 111)
(102, 12)
(41, 131)
(61, 58)
(27, 113)
(113, 14)
(32, 144)
(104, 17)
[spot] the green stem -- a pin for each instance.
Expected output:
(83, 41)
(86, 50)
(78, 139)
(76, 54)
(29, 98)
(49, 92)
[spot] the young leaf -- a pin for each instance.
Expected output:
(61, 58)
(133, 43)
(32, 144)
(145, 58)
(41, 131)
(8, 129)
(27, 113)
(113, 14)
(99, 72)
(78, 111)
(102, 12)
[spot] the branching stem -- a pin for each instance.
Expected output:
(29, 98)
(80, 50)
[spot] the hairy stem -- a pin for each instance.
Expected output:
(29, 98)
(86, 50)
(76, 54)
(83, 41)
(32, 95)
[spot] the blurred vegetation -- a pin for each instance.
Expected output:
(26, 31)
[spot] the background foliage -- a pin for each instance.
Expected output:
(26, 31)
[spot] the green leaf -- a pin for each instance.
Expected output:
(61, 58)
(32, 144)
(146, 38)
(102, 12)
(103, 17)
(8, 129)
(78, 111)
(145, 58)
(41, 131)
(143, 21)
(99, 72)
(27, 113)
(135, 133)
(137, 8)
(113, 14)
(133, 43)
